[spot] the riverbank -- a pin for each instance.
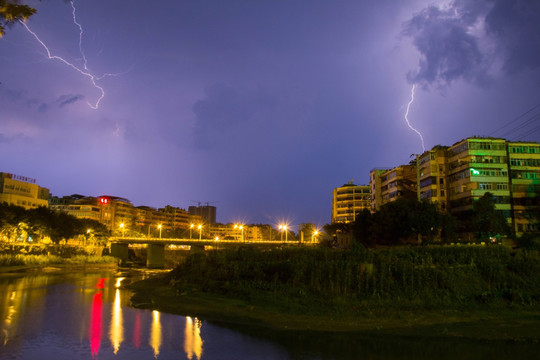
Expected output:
(10, 263)
(481, 293)
(512, 324)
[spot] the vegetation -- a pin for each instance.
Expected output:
(410, 221)
(43, 260)
(36, 225)
(11, 11)
(318, 279)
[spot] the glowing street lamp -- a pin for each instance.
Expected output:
(200, 231)
(241, 228)
(123, 228)
(314, 234)
(159, 227)
(283, 228)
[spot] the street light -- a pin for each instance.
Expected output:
(241, 228)
(200, 231)
(190, 228)
(314, 234)
(159, 227)
(122, 227)
(283, 228)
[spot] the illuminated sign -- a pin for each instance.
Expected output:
(475, 172)
(103, 201)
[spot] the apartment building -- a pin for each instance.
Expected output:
(391, 184)
(22, 191)
(477, 166)
(433, 176)
(524, 174)
(454, 177)
(348, 200)
(82, 207)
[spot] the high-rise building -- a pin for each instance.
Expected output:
(348, 200)
(524, 173)
(477, 166)
(206, 212)
(22, 191)
(455, 177)
(433, 176)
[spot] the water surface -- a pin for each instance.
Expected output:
(88, 316)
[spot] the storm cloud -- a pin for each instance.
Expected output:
(468, 39)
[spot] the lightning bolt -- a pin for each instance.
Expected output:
(407, 117)
(84, 71)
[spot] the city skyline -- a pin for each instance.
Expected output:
(260, 108)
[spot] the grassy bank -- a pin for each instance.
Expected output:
(358, 290)
(8, 260)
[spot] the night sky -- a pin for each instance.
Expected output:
(260, 108)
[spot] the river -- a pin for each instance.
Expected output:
(75, 315)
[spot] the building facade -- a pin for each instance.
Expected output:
(348, 200)
(22, 191)
(524, 173)
(477, 166)
(454, 177)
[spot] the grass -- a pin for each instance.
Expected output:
(46, 260)
(427, 290)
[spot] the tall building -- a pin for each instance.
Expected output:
(524, 173)
(22, 191)
(348, 200)
(375, 188)
(477, 166)
(391, 184)
(206, 212)
(433, 176)
(455, 177)
(116, 212)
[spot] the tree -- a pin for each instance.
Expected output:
(11, 11)
(486, 220)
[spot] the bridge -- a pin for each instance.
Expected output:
(155, 258)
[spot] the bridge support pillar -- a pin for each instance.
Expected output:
(196, 248)
(155, 258)
(120, 251)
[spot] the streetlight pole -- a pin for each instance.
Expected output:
(313, 234)
(122, 227)
(159, 227)
(200, 231)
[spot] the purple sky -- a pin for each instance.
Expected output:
(259, 107)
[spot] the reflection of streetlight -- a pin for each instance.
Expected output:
(314, 234)
(122, 227)
(200, 231)
(159, 227)
(190, 228)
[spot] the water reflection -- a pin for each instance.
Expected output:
(87, 316)
(116, 332)
(193, 343)
(155, 333)
(95, 322)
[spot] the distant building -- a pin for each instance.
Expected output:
(206, 212)
(80, 206)
(432, 168)
(348, 200)
(22, 191)
(392, 184)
